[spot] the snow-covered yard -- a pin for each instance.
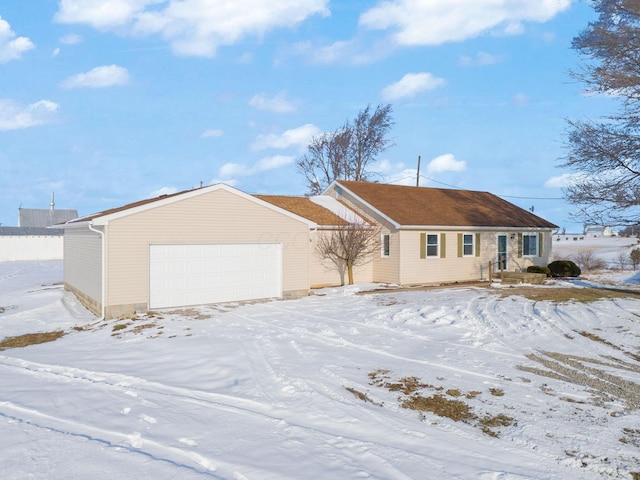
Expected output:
(334, 386)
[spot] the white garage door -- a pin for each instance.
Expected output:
(181, 275)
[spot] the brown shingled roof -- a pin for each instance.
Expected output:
(304, 207)
(443, 207)
(126, 207)
(301, 206)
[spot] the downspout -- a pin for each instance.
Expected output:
(104, 273)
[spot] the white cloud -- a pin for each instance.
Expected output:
(439, 21)
(411, 85)
(357, 51)
(296, 137)
(212, 133)
(70, 39)
(446, 163)
(101, 14)
(56, 52)
(480, 59)
(277, 104)
(233, 182)
(99, 77)
(513, 29)
(404, 177)
(192, 27)
(14, 117)
(230, 172)
(271, 163)
(12, 48)
(163, 191)
(564, 180)
(325, 54)
(385, 166)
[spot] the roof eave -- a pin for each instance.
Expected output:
(472, 228)
(367, 204)
(72, 224)
(104, 220)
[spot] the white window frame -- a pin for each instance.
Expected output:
(531, 237)
(427, 245)
(385, 245)
(472, 245)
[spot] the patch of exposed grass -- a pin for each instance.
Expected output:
(406, 385)
(439, 405)
(30, 339)
(596, 338)
(560, 295)
(362, 396)
(139, 328)
(447, 404)
(595, 374)
(190, 312)
(488, 422)
(537, 293)
(496, 392)
(631, 437)
(120, 326)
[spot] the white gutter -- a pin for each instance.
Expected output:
(472, 228)
(104, 275)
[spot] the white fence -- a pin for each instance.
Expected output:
(30, 247)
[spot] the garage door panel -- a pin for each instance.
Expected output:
(182, 275)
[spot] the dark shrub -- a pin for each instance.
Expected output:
(539, 269)
(564, 268)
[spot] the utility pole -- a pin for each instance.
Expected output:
(418, 173)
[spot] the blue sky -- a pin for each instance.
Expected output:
(106, 102)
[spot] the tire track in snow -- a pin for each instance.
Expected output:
(362, 436)
(343, 343)
(337, 340)
(364, 413)
(132, 443)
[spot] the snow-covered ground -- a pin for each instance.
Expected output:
(315, 388)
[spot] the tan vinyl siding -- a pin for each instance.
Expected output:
(216, 217)
(83, 266)
(323, 273)
(386, 269)
(449, 265)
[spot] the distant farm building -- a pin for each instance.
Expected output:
(598, 231)
(33, 238)
(44, 217)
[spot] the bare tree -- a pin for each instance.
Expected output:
(587, 260)
(634, 255)
(346, 153)
(605, 154)
(349, 246)
(623, 257)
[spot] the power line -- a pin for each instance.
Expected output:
(497, 194)
(531, 198)
(460, 188)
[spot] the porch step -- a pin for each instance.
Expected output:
(522, 277)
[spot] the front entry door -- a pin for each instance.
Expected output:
(502, 252)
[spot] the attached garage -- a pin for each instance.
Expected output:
(181, 275)
(207, 245)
